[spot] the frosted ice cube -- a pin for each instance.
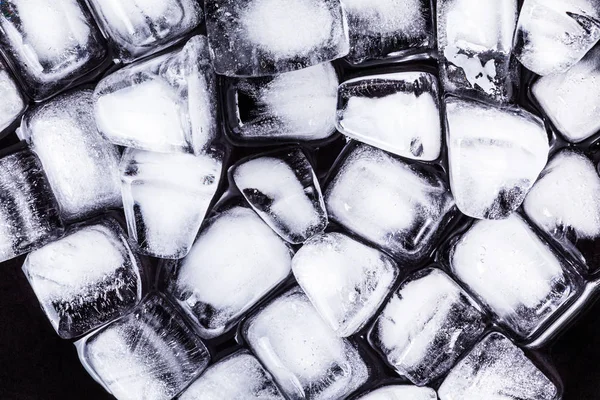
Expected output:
(475, 41)
(51, 43)
(565, 204)
(552, 35)
(149, 354)
(506, 265)
(401, 207)
(85, 279)
(495, 156)
(345, 280)
(235, 261)
(283, 189)
(240, 376)
(12, 103)
(81, 165)
(29, 213)
(571, 100)
(426, 326)
(165, 104)
(497, 370)
(403, 392)
(166, 196)
(137, 28)
(297, 105)
(399, 113)
(266, 37)
(306, 358)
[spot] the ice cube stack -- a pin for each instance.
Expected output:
(304, 199)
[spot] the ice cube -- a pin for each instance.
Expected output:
(296, 105)
(150, 354)
(235, 261)
(398, 112)
(51, 44)
(306, 358)
(403, 392)
(283, 189)
(12, 103)
(426, 326)
(165, 104)
(29, 213)
(571, 100)
(166, 196)
(388, 28)
(267, 37)
(495, 156)
(345, 280)
(508, 268)
(552, 35)
(137, 28)
(475, 42)
(399, 206)
(497, 370)
(81, 165)
(239, 376)
(85, 279)
(565, 204)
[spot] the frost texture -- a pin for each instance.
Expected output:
(11, 100)
(403, 392)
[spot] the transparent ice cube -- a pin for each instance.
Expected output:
(82, 166)
(305, 356)
(507, 267)
(552, 35)
(495, 156)
(496, 369)
(149, 354)
(428, 323)
(164, 104)
(166, 196)
(85, 279)
(51, 43)
(398, 112)
(400, 207)
(12, 103)
(345, 280)
(235, 261)
(137, 28)
(267, 37)
(403, 392)
(475, 41)
(283, 189)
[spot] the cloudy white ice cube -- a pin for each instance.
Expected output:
(495, 156)
(267, 37)
(404, 392)
(166, 196)
(12, 103)
(85, 279)
(235, 261)
(398, 112)
(305, 357)
(165, 104)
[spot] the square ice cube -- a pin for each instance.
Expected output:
(12, 103)
(296, 105)
(306, 358)
(82, 167)
(345, 280)
(428, 323)
(511, 270)
(283, 189)
(400, 392)
(267, 37)
(475, 42)
(398, 112)
(239, 376)
(235, 261)
(166, 196)
(50, 43)
(149, 354)
(137, 28)
(165, 104)
(496, 369)
(399, 206)
(85, 279)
